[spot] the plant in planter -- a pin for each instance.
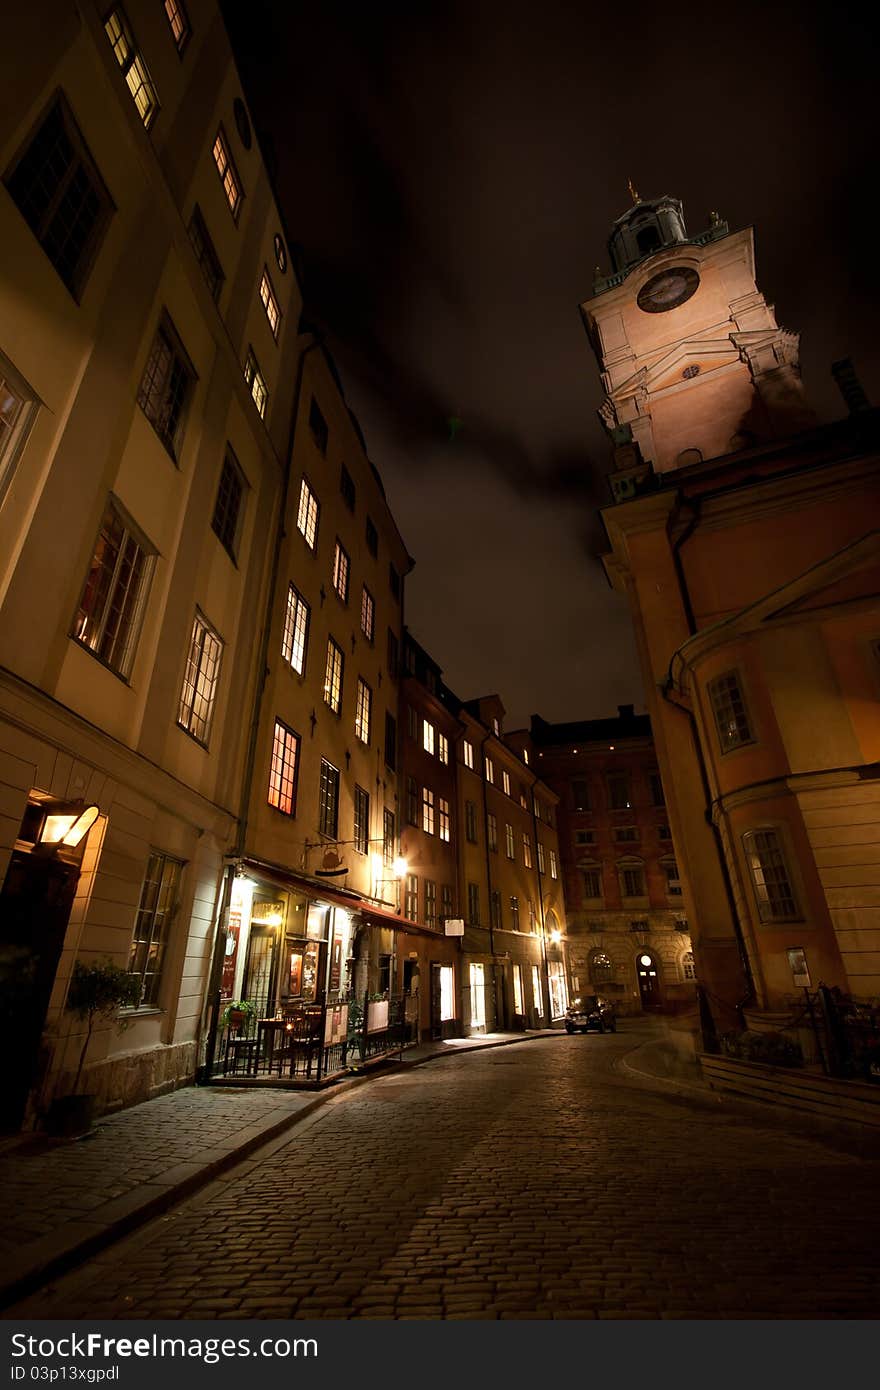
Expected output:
(96, 991)
(772, 1049)
(237, 1014)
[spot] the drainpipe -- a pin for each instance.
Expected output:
(216, 975)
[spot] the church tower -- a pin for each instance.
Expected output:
(693, 362)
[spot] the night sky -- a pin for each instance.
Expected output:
(451, 173)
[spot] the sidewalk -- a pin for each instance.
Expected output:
(65, 1200)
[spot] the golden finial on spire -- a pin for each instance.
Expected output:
(632, 192)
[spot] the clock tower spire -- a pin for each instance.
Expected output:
(693, 362)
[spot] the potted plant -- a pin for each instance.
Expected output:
(98, 990)
(238, 1014)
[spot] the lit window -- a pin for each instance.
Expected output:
(257, 383)
(205, 254)
(363, 711)
(517, 986)
(554, 872)
(496, 727)
(541, 866)
(509, 841)
(165, 386)
(505, 782)
(133, 67)
(318, 426)
(490, 770)
(307, 515)
(152, 927)
(492, 824)
(341, 571)
(368, 614)
(443, 818)
(270, 304)
(688, 972)
(361, 820)
(227, 508)
(18, 408)
(770, 876)
(60, 194)
(328, 800)
(470, 821)
(525, 756)
(200, 680)
(283, 769)
(411, 900)
(232, 185)
(294, 640)
(467, 753)
(537, 992)
(442, 748)
(729, 709)
(427, 811)
(110, 610)
(178, 19)
(527, 851)
(427, 736)
(430, 903)
(333, 676)
(346, 487)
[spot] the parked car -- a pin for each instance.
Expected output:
(588, 1012)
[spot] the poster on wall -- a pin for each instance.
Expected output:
(233, 933)
(294, 978)
(336, 963)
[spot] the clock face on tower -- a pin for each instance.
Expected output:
(668, 289)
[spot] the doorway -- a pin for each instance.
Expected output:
(649, 982)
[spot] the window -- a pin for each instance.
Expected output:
(346, 487)
(618, 791)
(443, 819)
(554, 872)
(283, 769)
(165, 386)
(328, 800)
(227, 508)
(467, 754)
(427, 736)
(295, 638)
(152, 926)
(412, 722)
(257, 383)
(490, 770)
(232, 185)
(134, 69)
(392, 656)
(445, 900)
(363, 711)
(178, 19)
(18, 408)
(470, 822)
(601, 967)
(496, 726)
(442, 748)
(60, 194)
(495, 908)
(492, 823)
(525, 756)
(673, 882)
(109, 614)
(372, 536)
(411, 908)
(514, 913)
(729, 709)
(663, 832)
(390, 741)
(341, 571)
(318, 426)
(508, 841)
(280, 252)
(205, 254)
(430, 903)
(580, 794)
(394, 582)
(585, 837)
(388, 837)
(527, 851)
(473, 893)
(655, 787)
(200, 680)
(533, 918)
(333, 676)
(270, 304)
(427, 811)
(537, 992)
(541, 865)
(505, 782)
(307, 515)
(412, 801)
(523, 798)
(593, 883)
(688, 972)
(632, 881)
(772, 882)
(361, 820)
(626, 834)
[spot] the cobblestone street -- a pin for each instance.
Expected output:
(540, 1181)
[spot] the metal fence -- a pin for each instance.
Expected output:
(845, 1030)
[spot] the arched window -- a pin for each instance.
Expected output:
(601, 968)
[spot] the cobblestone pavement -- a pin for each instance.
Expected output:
(539, 1181)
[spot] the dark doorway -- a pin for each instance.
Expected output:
(649, 983)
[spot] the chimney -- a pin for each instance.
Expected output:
(849, 386)
(626, 711)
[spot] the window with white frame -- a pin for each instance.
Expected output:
(166, 386)
(361, 820)
(328, 800)
(388, 837)
(496, 726)
(541, 865)
(200, 680)
(554, 871)
(153, 923)
(467, 753)
(411, 898)
(307, 515)
(256, 383)
(523, 796)
(427, 736)
(509, 841)
(688, 969)
(110, 611)
(492, 823)
(368, 614)
(295, 638)
(269, 302)
(730, 713)
(333, 673)
(427, 810)
(442, 747)
(178, 20)
(363, 711)
(132, 65)
(341, 571)
(283, 769)
(766, 858)
(505, 781)
(226, 521)
(673, 882)
(229, 176)
(537, 992)
(443, 822)
(527, 850)
(489, 767)
(18, 409)
(430, 903)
